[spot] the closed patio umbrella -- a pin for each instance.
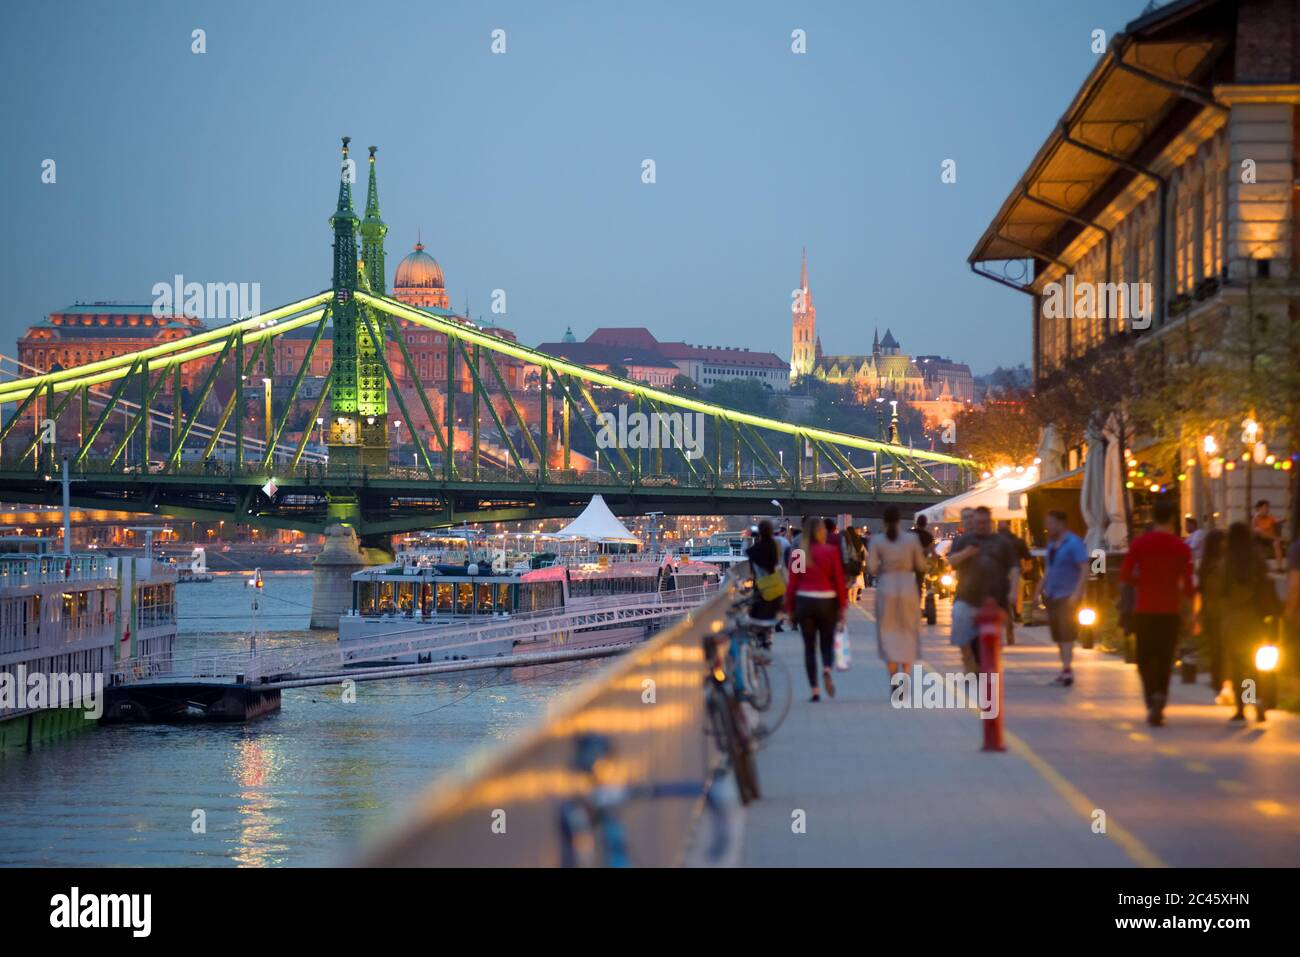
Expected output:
(1092, 497)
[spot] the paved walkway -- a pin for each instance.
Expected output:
(881, 786)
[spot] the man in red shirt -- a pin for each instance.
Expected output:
(1159, 565)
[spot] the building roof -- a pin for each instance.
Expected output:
(642, 338)
(724, 355)
(600, 354)
(889, 342)
(890, 367)
(624, 336)
(1150, 83)
(418, 270)
(118, 320)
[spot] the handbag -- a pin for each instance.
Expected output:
(771, 586)
(843, 653)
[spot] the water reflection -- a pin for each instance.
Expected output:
(298, 788)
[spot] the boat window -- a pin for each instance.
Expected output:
(426, 598)
(465, 598)
(366, 598)
(484, 598)
(444, 597)
(406, 598)
(385, 598)
(503, 597)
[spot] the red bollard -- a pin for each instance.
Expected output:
(990, 621)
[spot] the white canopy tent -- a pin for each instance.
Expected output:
(1003, 495)
(597, 524)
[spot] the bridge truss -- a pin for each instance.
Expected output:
(485, 452)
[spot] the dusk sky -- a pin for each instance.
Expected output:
(523, 170)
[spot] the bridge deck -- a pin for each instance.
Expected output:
(887, 787)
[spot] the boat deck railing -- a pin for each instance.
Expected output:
(464, 640)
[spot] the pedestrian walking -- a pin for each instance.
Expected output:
(1209, 610)
(1267, 533)
(1023, 556)
(1246, 598)
(816, 600)
(769, 580)
(896, 557)
(983, 561)
(1195, 539)
(1062, 589)
(1159, 567)
(926, 539)
(853, 554)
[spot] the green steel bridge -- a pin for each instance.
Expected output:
(136, 449)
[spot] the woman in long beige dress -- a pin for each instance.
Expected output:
(895, 558)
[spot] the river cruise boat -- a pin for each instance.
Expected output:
(591, 562)
(722, 550)
(395, 601)
(66, 619)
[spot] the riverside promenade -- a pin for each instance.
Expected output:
(880, 786)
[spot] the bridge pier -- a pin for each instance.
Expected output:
(331, 585)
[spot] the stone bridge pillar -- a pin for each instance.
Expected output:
(331, 586)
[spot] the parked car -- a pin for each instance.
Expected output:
(900, 485)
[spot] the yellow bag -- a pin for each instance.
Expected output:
(771, 586)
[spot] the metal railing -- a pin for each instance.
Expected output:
(95, 467)
(619, 770)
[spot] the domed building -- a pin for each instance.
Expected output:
(419, 281)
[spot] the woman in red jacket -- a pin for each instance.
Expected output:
(816, 599)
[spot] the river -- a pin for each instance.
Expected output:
(303, 787)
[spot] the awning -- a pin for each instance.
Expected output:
(1003, 495)
(597, 524)
(1151, 69)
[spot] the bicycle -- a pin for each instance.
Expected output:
(750, 653)
(727, 716)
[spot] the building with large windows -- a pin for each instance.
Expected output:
(1159, 215)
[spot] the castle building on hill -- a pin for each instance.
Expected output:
(886, 372)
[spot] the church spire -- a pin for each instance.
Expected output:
(373, 230)
(804, 345)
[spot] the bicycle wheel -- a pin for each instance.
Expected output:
(757, 681)
(742, 754)
(733, 740)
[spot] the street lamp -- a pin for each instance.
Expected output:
(320, 424)
(1252, 438)
(780, 506)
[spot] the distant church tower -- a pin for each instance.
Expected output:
(803, 338)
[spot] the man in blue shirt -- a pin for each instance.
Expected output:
(1062, 589)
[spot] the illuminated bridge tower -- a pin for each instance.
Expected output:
(358, 433)
(372, 392)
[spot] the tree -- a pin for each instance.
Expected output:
(747, 395)
(1105, 386)
(684, 385)
(1002, 431)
